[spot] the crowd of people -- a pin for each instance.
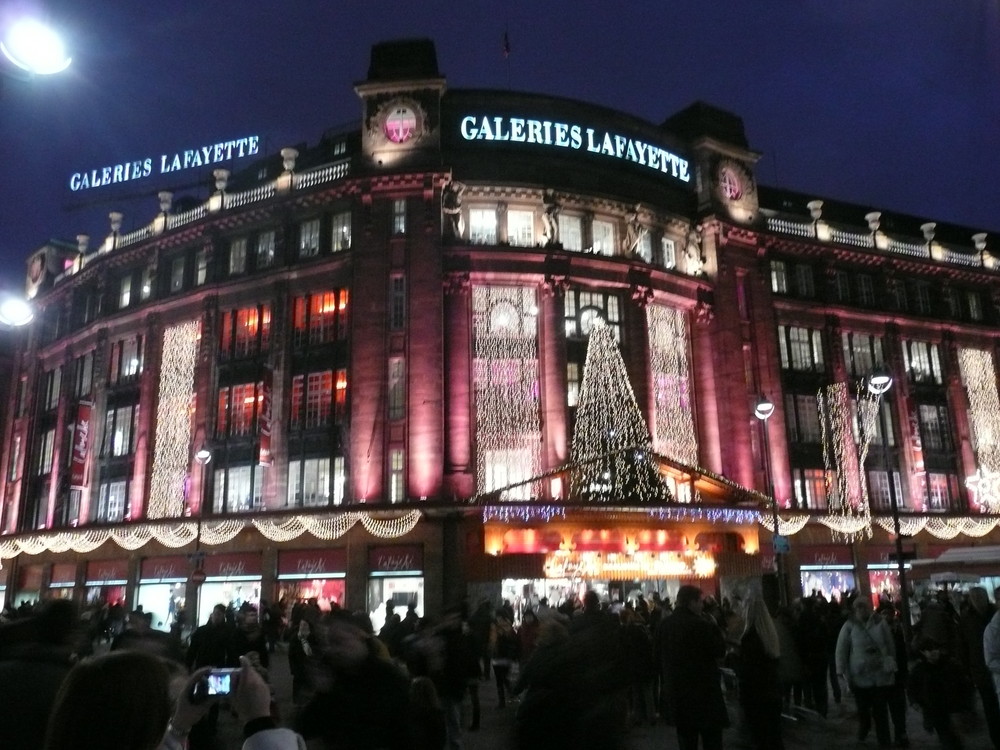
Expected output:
(416, 683)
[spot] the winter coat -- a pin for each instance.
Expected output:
(866, 653)
(991, 650)
(690, 648)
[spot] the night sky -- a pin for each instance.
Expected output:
(893, 104)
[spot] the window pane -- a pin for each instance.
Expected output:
(571, 232)
(521, 228)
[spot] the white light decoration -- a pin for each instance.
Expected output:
(980, 379)
(908, 525)
(222, 532)
(172, 446)
(612, 456)
(668, 357)
(843, 458)
(390, 528)
(508, 425)
(786, 526)
(625, 566)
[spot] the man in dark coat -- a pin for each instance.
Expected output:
(212, 645)
(691, 647)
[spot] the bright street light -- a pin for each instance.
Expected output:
(35, 47)
(15, 311)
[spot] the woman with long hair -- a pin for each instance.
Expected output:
(760, 692)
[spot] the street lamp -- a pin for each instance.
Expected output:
(15, 311)
(34, 47)
(879, 384)
(763, 410)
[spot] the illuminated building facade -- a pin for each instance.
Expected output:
(368, 372)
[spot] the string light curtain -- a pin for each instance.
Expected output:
(508, 425)
(172, 446)
(612, 452)
(668, 353)
(980, 379)
(843, 457)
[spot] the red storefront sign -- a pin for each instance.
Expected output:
(235, 565)
(825, 554)
(173, 568)
(81, 446)
(102, 572)
(264, 418)
(312, 563)
(403, 558)
(63, 574)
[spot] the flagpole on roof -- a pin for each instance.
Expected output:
(505, 48)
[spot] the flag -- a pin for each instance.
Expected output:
(506, 45)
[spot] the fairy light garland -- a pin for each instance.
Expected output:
(508, 425)
(847, 490)
(668, 356)
(172, 445)
(390, 528)
(612, 452)
(980, 379)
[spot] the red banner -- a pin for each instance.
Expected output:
(312, 563)
(81, 446)
(396, 559)
(242, 565)
(264, 417)
(107, 571)
(173, 568)
(64, 574)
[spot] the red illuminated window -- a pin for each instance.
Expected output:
(340, 398)
(246, 332)
(319, 318)
(312, 396)
(236, 409)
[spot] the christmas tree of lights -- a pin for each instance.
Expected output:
(612, 455)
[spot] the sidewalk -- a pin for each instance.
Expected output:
(839, 730)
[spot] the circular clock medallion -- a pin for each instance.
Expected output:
(731, 184)
(400, 124)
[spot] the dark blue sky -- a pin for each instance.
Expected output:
(894, 104)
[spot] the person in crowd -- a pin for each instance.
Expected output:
(940, 687)
(211, 646)
(546, 692)
(36, 654)
(503, 654)
(690, 648)
(866, 658)
(303, 660)
(428, 727)
(833, 615)
(790, 667)
(972, 625)
(527, 635)
(139, 635)
(811, 641)
(250, 636)
(141, 716)
(760, 691)
(637, 647)
(991, 644)
(897, 691)
(362, 694)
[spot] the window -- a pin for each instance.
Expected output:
(238, 489)
(399, 216)
(15, 459)
(319, 318)
(922, 361)
(779, 277)
(583, 308)
(46, 445)
(120, 425)
(842, 286)
(397, 388)
(309, 482)
(521, 228)
(397, 489)
(22, 397)
(126, 360)
(397, 302)
(604, 237)
(340, 397)
(922, 298)
(802, 415)
(572, 383)
(866, 290)
(236, 408)
(246, 332)
(147, 284)
(238, 256)
(201, 267)
(309, 238)
(177, 274)
(862, 353)
(111, 501)
(124, 292)
(975, 305)
(810, 488)
(483, 226)
(935, 433)
(51, 388)
(645, 246)
(341, 235)
(801, 348)
(571, 232)
(804, 284)
(312, 397)
(942, 491)
(897, 293)
(265, 249)
(886, 418)
(878, 490)
(668, 252)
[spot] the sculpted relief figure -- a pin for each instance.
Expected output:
(692, 253)
(634, 232)
(550, 217)
(451, 207)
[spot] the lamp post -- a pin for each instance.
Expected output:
(879, 384)
(34, 47)
(763, 410)
(15, 311)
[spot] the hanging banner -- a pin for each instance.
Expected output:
(399, 559)
(81, 446)
(318, 563)
(264, 417)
